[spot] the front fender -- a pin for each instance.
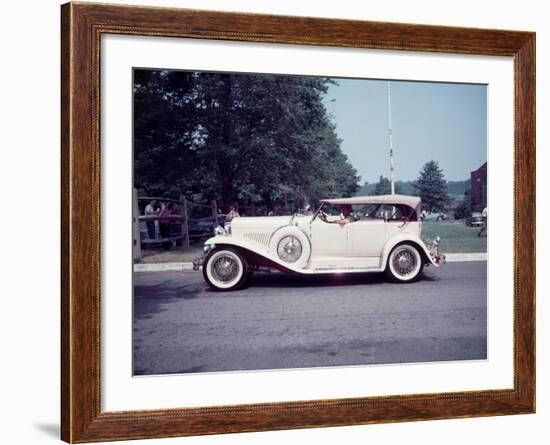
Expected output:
(250, 246)
(404, 237)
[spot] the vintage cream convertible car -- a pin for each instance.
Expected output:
(374, 234)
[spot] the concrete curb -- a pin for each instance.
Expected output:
(180, 267)
(458, 257)
(162, 267)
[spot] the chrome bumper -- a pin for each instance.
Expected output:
(435, 252)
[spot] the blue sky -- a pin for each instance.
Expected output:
(440, 121)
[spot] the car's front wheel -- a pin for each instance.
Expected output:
(225, 269)
(404, 263)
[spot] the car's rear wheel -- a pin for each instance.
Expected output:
(225, 269)
(405, 263)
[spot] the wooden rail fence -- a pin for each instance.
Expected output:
(188, 221)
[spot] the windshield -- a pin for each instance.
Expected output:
(331, 212)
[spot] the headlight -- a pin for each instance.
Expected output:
(220, 231)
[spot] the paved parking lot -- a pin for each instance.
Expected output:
(291, 321)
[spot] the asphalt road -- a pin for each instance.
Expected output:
(290, 321)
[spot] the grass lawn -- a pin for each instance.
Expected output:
(456, 237)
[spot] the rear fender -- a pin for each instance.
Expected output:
(409, 239)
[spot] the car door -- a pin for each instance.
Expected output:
(396, 220)
(366, 238)
(329, 239)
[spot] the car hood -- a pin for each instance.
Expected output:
(259, 220)
(263, 224)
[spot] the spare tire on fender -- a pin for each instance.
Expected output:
(291, 245)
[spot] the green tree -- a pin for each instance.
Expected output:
(432, 187)
(464, 208)
(383, 187)
(237, 137)
(366, 189)
(164, 125)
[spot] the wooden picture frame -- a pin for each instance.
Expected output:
(82, 26)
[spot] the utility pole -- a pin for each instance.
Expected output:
(391, 141)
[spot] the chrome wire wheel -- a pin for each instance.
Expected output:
(405, 263)
(224, 269)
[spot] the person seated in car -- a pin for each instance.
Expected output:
(346, 215)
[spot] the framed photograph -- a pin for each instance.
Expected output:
(274, 222)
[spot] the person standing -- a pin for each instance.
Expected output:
(164, 223)
(150, 212)
(484, 227)
(233, 213)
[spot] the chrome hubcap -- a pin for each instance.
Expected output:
(225, 268)
(404, 262)
(289, 249)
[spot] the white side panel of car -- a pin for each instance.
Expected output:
(328, 263)
(328, 239)
(366, 238)
(397, 227)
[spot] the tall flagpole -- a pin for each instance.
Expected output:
(391, 141)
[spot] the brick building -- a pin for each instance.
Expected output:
(478, 183)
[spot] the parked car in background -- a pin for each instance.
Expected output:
(345, 235)
(433, 216)
(204, 227)
(474, 220)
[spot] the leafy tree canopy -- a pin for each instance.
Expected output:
(432, 187)
(464, 207)
(383, 187)
(252, 139)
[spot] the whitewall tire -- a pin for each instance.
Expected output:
(225, 269)
(405, 263)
